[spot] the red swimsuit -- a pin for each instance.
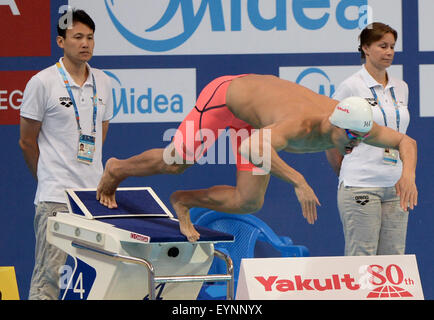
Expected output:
(208, 120)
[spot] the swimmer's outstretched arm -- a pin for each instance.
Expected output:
(384, 137)
(261, 149)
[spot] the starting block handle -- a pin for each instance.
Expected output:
(230, 271)
(152, 279)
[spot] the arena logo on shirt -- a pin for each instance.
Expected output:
(229, 27)
(31, 21)
(12, 85)
(152, 95)
(65, 101)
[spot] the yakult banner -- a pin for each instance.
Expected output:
(325, 80)
(330, 278)
(137, 27)
(152, 95)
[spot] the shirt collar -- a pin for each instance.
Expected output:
(71, 80)
(371, 82)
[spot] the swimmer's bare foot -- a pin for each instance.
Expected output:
(107, 186)
(185, 225)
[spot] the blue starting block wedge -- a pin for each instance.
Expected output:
(134, 251)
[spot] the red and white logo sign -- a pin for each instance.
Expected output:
(139, 237)
(25, 28)
(372, 277)
(12, 85)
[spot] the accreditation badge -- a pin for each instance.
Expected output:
(390, 156)
(86, 148)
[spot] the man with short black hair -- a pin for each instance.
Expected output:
(64, 121)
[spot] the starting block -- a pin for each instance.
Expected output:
(135, 251)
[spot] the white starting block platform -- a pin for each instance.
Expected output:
(135, 251)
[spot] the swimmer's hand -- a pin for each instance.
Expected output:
(308, 201)
(107, 186)
(407, 192)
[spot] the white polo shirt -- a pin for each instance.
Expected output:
(46, 99)
(364, 166)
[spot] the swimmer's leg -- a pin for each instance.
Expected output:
(246, 197)
(147, 163)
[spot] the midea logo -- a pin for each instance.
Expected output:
(145, 101)
(192, 18)
(324, 78)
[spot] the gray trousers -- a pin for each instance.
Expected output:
(48, 258)
(373, 221)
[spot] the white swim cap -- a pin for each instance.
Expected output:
(353, 113)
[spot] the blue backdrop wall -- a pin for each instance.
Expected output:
(281, 209)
